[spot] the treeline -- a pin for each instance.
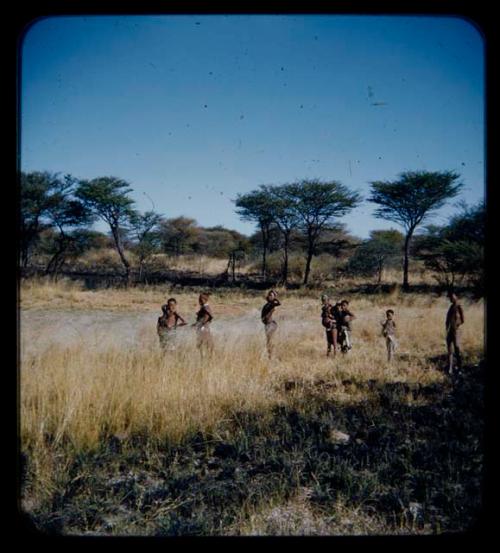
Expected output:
(300, 219)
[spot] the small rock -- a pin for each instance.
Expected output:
(415, 510)
(339, 437)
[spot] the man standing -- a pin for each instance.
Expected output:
(266, 316)
(454, 320)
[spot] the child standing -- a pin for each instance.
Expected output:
(266, 316)
(168, 323)
(329, 321)
(203, 319)
(389, 333)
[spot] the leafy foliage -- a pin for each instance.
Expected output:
(384, 247)
(456, 251)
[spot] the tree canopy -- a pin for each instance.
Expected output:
(411, 199)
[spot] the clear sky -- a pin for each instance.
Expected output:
(192, 110)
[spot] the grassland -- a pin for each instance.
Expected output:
(125, 440)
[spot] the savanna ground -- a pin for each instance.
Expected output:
(118, 438)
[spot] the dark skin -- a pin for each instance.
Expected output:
(332, 332)
(344, 307)
(272, 298)
(171, 318)
(205, 341)
(206, 317)
(344, 310)
(454, 320)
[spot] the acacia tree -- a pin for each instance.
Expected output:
(178, 234)
(257, 207)
(411, 200)
(36, 190)
(146, 231)
(317, 204)
(283, 214)
(107, 198)
(68, 216)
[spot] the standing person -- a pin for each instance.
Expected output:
(329, 321)
(266, 316)
(203, 319)
(454, 320)
(168, 323)
(345, 316)
(389, 333)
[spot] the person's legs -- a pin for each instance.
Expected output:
(390, 347)
(334, 341)
(329, 342)
(341, 339)
(210, 343)
(270, 329)
(450, 340)
(163, 340)
(348, 343)
(457, 348)
(204, 342)
(170, 340)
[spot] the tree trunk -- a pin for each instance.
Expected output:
(284, 276)
(380, 269)
(54, 264)
(265, 241)
(406, 285)
(141, 267)
(310, 250)
(121, 253)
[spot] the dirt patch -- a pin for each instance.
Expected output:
(100, 329)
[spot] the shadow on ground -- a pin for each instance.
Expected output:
(410, 453)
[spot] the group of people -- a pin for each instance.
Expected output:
(336, 318)
(170, 320)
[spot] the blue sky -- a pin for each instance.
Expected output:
(192, 110)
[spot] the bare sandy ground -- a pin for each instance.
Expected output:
(41, 329)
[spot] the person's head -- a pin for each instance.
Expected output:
(325, 299)
(271, 295)
(344, 304)
(172, 304)
(390, 314)
(203, 299)
(452, 296)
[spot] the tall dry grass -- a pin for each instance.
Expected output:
(76, 397)
(79, 393)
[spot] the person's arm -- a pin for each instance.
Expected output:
(181, 319)
(208, 315)
(351, 314)
(276, 302)
(461, 313)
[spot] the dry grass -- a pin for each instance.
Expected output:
(74, 397)
(76, 392)
(299, 517)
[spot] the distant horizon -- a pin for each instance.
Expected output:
(193, 110)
